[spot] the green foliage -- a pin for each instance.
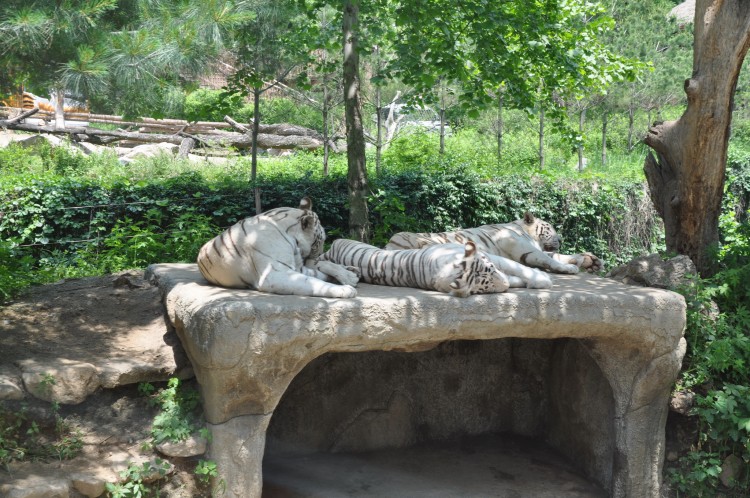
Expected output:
(179, 415)
(16, 270)
(211, 105)
(23, 438)
(205, 470)
(135, 478)
(284, 110)
(717, 364)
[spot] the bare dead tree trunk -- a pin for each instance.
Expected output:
(355, 136)
(686, 174)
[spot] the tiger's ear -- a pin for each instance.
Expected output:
(528, 218)
(470, 248)
(305, 204)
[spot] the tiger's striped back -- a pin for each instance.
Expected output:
(457, 269)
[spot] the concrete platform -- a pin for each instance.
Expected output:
(586, 366)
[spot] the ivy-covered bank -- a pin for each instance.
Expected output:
(125, 224)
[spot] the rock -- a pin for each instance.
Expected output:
(158, 469)
(731, 470)
(653, 271)
(88, 485)
(149, 150)
(36, 487)
(10, 387)
(42, 138)
(195, 445)
(60, 380)
(681, 402)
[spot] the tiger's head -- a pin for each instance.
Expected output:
(313, 235)
(477, 274)
(541, 231)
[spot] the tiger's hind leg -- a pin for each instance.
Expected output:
(290, 282)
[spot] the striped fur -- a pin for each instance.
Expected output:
(275, 252)
(516, 248)
(457, 269)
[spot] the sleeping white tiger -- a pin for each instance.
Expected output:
(458, 269)
(276, 252)
(513, 247)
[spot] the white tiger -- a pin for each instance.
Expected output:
(458, 269)
(516, 248)
(276, 252)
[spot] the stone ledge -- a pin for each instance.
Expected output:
(246, 347)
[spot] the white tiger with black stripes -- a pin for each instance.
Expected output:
(457, 269)
(516, 248)
(276, 252)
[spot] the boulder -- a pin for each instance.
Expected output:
(653, 271)
(61, 380)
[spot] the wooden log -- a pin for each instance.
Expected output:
(186, 146)
(227, 139)
(12, 121)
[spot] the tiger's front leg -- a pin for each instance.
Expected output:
(327, 270)
(584, 261)
(520, 275)
(290, 282)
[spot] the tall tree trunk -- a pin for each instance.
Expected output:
(605, 119)
(499, 126)
(581, 120)
(379, 139)
(378, 116)
(631, 125)
(355, 136)
(326, 104)
(541, 138)
(442, 117)
(687, 173)
(254, 153)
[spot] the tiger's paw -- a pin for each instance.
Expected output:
(348, 277)
(591, 263)
(346, 291)
(569, 269)
(539, 280)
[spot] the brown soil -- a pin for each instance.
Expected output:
(93, 320)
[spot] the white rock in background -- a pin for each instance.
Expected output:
(149, 150)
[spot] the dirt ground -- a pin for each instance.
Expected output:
(94, 320)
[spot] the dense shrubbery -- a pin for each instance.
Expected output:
(120, 224)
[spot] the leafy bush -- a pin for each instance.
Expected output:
(283, 110)
(210, 105)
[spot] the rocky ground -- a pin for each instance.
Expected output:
(86, 345)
